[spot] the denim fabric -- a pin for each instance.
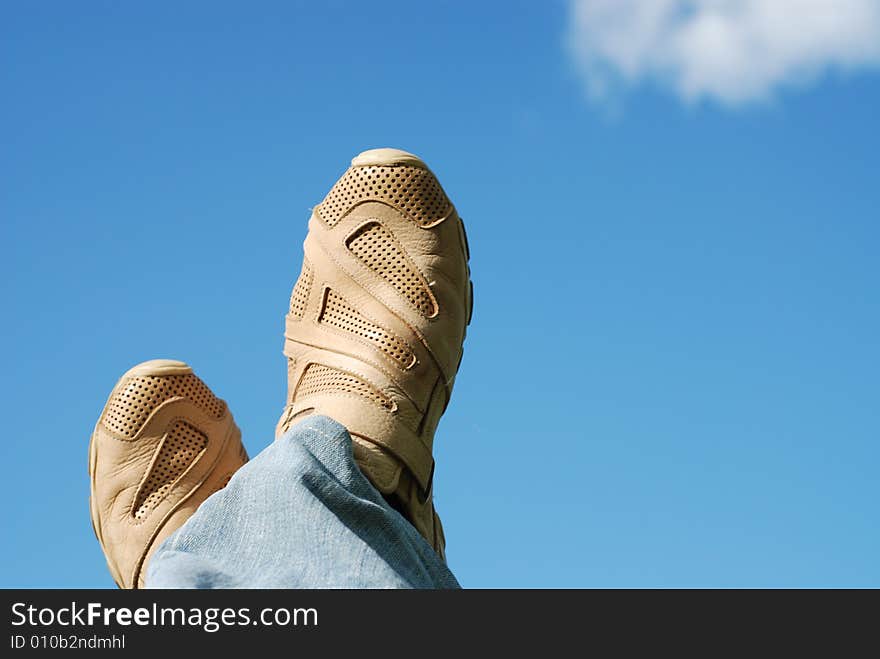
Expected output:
(299, 515)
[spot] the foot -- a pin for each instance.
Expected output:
(163, 444)
(377, 321)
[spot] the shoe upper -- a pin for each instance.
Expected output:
(162, 445)
(377, 320)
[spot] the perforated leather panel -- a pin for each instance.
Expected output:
(412, 190)
(376, 248)
(300, 295)
(338, 313)
(131, 405)
(318, 379)
(180, 448)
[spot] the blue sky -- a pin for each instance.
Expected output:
(671, 378)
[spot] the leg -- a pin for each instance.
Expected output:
(163, 444)
(373, 341)
(299, 515)
(376, 324)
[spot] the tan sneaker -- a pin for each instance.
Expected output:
(163, 444)
(377, 320)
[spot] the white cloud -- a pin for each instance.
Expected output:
(733, 51)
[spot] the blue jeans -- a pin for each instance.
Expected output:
(299, 515)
